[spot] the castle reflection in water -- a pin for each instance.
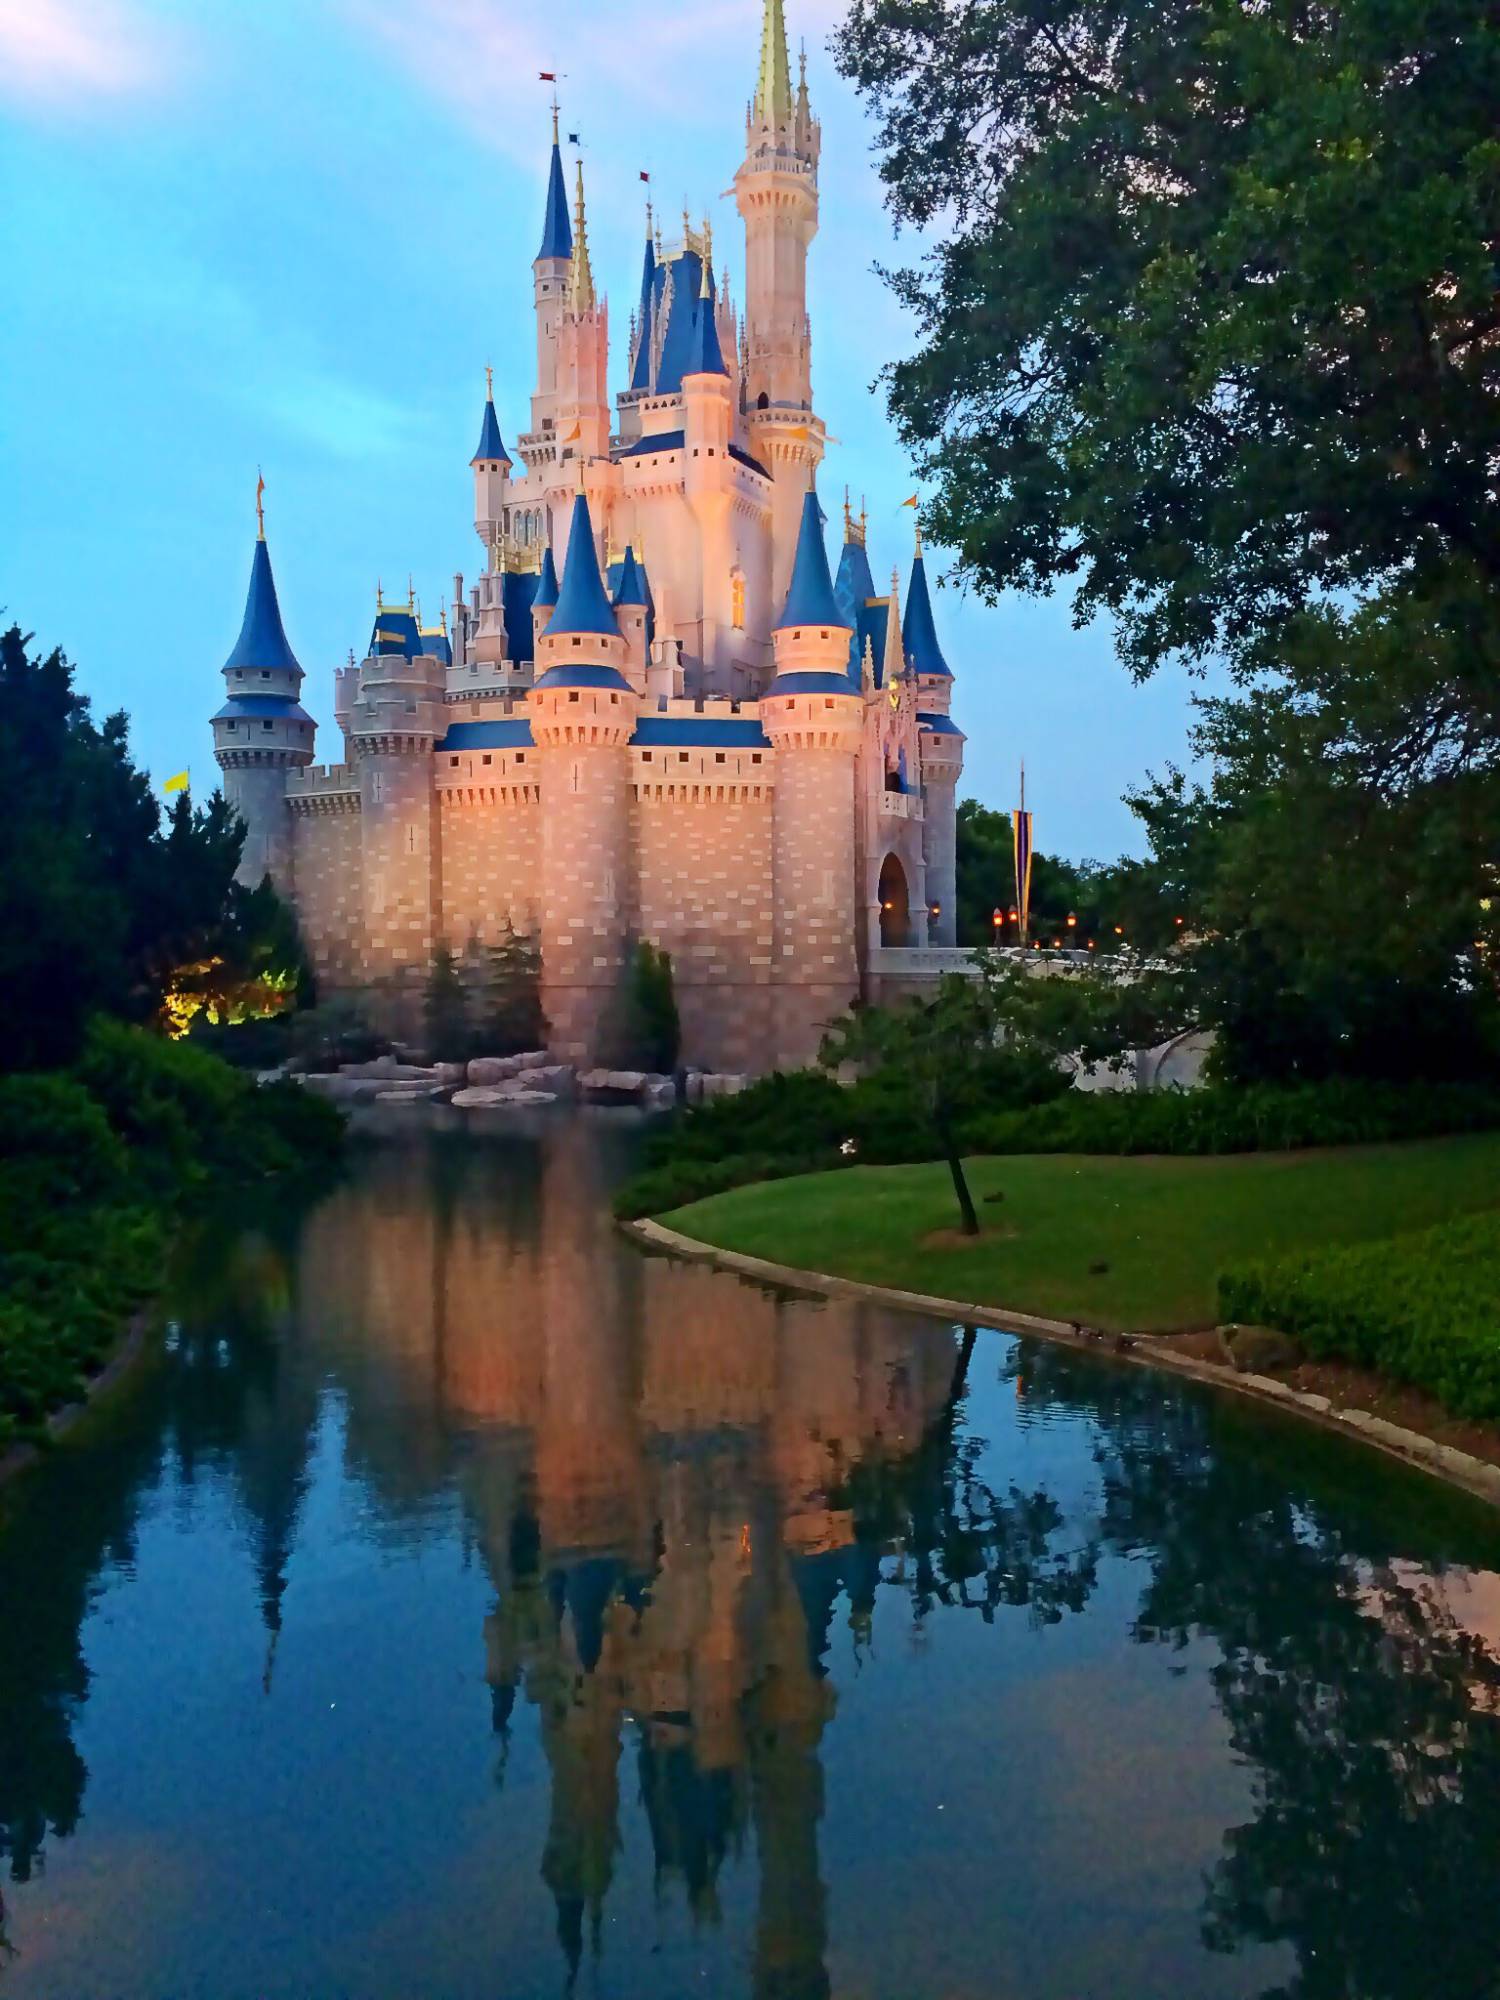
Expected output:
(656, 1464)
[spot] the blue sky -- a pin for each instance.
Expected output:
(290, 234)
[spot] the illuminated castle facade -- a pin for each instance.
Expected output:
(656, 713)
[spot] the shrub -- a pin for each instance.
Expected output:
(1422, 1308)
(1227, 1118)
(667, 1187)
(56, 1148)
(655, 1031)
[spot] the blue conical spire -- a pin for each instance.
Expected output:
(810, 599)
(491, 444)
(704, 354)
(262, 641)
(640, 374)
(631, 588)
(546, 589)
(557, 230)
(582, 604)
(918, 633)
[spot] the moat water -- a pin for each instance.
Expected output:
(469, 1604)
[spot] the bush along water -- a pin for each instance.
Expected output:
(1422, 1308)
(97, 1166)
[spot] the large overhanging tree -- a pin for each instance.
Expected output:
(1209, 335)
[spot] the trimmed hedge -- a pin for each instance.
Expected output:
(662, 1188)
(1237, 1118)
(782, 1121)
(1421, 1308)
(95, 1167)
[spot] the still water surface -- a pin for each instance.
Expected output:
(469, 1604)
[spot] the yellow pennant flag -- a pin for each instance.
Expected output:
(177, 784)
(911, 502)
(574, 434)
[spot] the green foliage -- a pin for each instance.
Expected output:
(95, 1167)
(675, 1184)
(655, 1031)
(336, 1030)
(446, 1009)
(507, 977)
(1225, 1118)
(1422, 1308)
(1210, 337)
(1098, 897)
(106, 905)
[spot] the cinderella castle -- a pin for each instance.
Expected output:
(657, 712)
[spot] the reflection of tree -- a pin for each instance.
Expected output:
(971, 1547)
(71, 1519)
(1365, 1712)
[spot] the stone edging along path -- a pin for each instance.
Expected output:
(1459, 1468)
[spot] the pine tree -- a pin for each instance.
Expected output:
(657, 1032)
(512, 1020)
(447, 1008)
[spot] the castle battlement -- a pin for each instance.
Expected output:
(654, 712)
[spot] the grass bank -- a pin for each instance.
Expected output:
(1133, 1244)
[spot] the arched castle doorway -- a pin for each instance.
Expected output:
(895, 907)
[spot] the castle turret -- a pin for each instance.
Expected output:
(262, 731)
(632, 607)
(776, 190)
(393, 724)
(942, 754)
(582, 352)
(544, 602)
(550, 270)
(812, 715)
(491, 463)
(583, 715)
(708, 421)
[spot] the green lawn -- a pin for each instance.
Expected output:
(1164, 1227)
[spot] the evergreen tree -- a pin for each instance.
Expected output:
(446, 1009)
(656, 1030)
(511, 1018)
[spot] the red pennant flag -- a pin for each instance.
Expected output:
(547, 75)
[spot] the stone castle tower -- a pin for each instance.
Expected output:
(655, 713)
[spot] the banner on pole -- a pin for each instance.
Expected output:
(1021, 821)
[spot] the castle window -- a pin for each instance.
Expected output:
(578, 642)
(645, 754)
(718, 756)
(454, 762)
(614, 701)
(572, 697)
(829, 702)
(239, 673)
(520, 756)
(737, 599)
(265, 673)
(682, 756)
(487, 758)
(232, 725)
(266, 725)
(754, 756)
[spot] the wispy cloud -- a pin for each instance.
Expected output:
(57, 54)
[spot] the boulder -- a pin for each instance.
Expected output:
(723, 1086)
(692, 1086)
(346, 1089)
(660, 1092)
(451, 1076)
(1260, 1350)
(495, 1069)
(495, 1097)
(409, 1093)
(387, 1069)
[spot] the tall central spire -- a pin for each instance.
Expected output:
(581, 277)
(773, 88)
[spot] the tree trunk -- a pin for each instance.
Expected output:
(970, 1222)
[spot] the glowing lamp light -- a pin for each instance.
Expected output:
(1119, 930)
(1072, 920)
(1177, 920)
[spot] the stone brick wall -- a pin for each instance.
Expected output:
(813, 890)
(705, 895)
(491, 850)
(329, 888)
(401, 861)
(587, 895)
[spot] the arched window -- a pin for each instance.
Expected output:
(737, 598)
